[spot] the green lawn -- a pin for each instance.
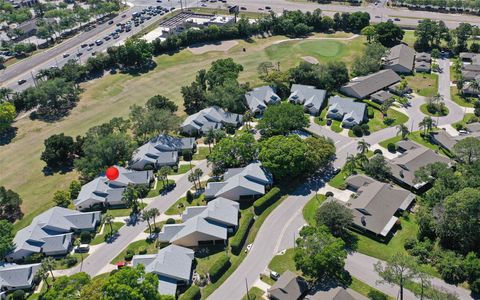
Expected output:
(205, 263)
(423, 84)
(362, 288)
(376, 123)
(159, 188)
(282, 263)
(61, 265)
(416, 137)
(459, 99)
(424, 109)
(100, 238)
(409, 37)
(182, 169)
(135, 246)
(122, 211)
(181, 204)
(392, 140)
(465, 120)
(254, 294)
(202, 153)
(310, 209)
(112, 95)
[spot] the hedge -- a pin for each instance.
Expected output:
(219, 267)
(193, 293)
(264, 202)
(236, 243)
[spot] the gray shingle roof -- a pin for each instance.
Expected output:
(376, 203)
(423, 56)
(338, 293)
(251, 179)
(467, 55)
(103, 191)
(219, 210)
(288, 287)
(171, 263)
(209, 118)
(14, 276)
(422, 66)
(160, 151)
(362, 87)
(51, 231)
(258, 99)
(308, 96)
(381, 96)
(473, 127)
(400, 55)
(347, 108)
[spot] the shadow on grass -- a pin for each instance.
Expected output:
(8, 136)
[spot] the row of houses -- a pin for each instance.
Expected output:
(470, 72)
(448, 142)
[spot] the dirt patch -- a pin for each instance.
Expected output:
(310, 59)
(220, 46)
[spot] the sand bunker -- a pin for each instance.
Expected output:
(310, 59)
(220, 46)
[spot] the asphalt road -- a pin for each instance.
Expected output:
(102, 256)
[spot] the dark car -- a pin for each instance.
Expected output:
(110, 22)
(22, 81)
(83, 45)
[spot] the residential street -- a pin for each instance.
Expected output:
(101, 258)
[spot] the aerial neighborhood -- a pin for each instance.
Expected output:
(220, 150)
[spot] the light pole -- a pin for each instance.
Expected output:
(246, 286)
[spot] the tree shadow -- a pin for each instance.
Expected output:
(8, 136)
(49, 171)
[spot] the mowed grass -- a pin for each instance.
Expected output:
(112, 95)
(423, 84)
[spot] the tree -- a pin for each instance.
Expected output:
(461, 217)
(147, 216)
(7, 115)
(155, 213)
(147, 123)
(67, 287)
(192, 178)
(370, 61)
(230, 96)
(370, 32)
(130, 197)
(134, 53)
(131, 283)
(426, 124)
(48, 263)
(330, 76)
(389, 34)
(424, 280)
(319, 255)
(61, 198)
(59, 151)
(335, 216)
(403, 131)
(108, 219)
(397, 270)
(363, 146)
(163, 174)
(42, 275)
(74, 189)
(451, 267)
(10, 205)
(198, 173)
(159, 102)
(320, 153)
(282, 119)
(6, 238)
(221, 71)
(233, 152)
(377, 168)
(467, 150)
(209, 139)
(350, 164)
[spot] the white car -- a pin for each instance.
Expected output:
(249, 247)
(83, 248)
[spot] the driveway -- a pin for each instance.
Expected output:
(106, 252)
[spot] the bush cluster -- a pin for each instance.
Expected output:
(219, 267)
(239, 239)
(266, 200)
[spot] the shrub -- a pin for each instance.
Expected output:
(388, 121)
(70, 261)
(377, 295)
(219, 267)
(410, 242)
(85, 237)
(34, 258)
(189, 196)
(129, 255)
(365, 129)
(459, 127)
(370, 112)
(238, 240)
(329, 194)
(170, 221)
(142, 250)
(378, 151)
(357, 131)
(18, 295)
(266, 200)
(193, 293)
(391, 147)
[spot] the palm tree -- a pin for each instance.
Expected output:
(363, 146)
(247, 118)
(350, 164)
(146, 216)
(130, 198)
(192, 178)
(362, 159)
(163, 173)
(77, 243)
(198, 173)
(403, 130)
(209, 139)
(109, 220)
(426, 124)
(49, 264)
(155, 213)
(42, 275)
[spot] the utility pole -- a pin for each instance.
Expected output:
(246, 286)
(33, 78)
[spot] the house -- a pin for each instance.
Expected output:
(467, 56)
(210, 118)
(203, 224)
(172, 265)
(311, 98)
(241, 183)
(423, 56)
(470, 71)
(375, 204)
(473, 127)
(28, 28)
(348, 111)
(160, 151)
(400, 59)
(448, 142)
(17, 277)
(399, 90)
(414, 157)
(469, 90)
(362, 87)
(103, 192)
(259, 98)
(338, 293)
(423, 67)
(381, 97)
(51, 232)
(288, 287)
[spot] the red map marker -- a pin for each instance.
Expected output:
(112, 173)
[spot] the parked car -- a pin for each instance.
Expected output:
(65, 55)
(82, 248)
(83, 45)
(22, 81)
(274, 275)
(110, 22)
(98, 42)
